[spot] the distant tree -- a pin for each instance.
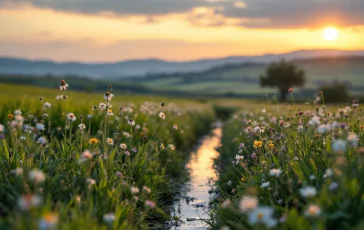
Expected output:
(282, 75)
(335, 92)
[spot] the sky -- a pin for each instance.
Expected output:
(176, 30)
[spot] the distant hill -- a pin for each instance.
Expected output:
(243, 79)
(150, 67)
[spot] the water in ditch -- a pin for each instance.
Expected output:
(192, 205)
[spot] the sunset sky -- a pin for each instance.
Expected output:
(113, 30)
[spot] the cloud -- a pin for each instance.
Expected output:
(300, 13)
(246, 13)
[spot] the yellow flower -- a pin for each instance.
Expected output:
(161, 146)
(10, 116)
(93, 141)
(270, 146)
(242, 179)
(257, 144)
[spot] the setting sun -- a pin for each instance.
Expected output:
(331, 33)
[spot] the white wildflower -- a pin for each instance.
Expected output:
(308, 191)
(248, 203)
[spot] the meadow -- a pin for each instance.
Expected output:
(74, 160)
(291, 166)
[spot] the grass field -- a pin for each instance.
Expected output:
(292, 166)
(82, 162)
(68, 166)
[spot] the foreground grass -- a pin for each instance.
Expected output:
(83, 162)
(291, 167)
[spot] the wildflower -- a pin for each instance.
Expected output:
(314, 121)
(275, 172)
(150, 203)
(226, 203)
(257, 144)
(63, 85)
(93, 141)
(161, 146)
(134, 150)
(265, 184)
(339, 146)
(40, 126)
(48, 221)
(175, 126)
(324, 128)
(71, 117)
(47, 105)
(90, 181)
(89, 116)
(2, 128)
(42, 140)
(286, 124)
(300, 128)
(162, 115)
(81, 126)
(123, 146)
(313, 210)
(259, 129)
(328, 173)
(171, 147)
(146, 189)
(86, 155)
(263, 215)
(248, 203)
(17, 112)
(238, 158)
(109, 218)
(312, 177)
(109, 112)
(353, 139)
(102, 106)
(28, 201)
(10, 116)
(271, 146)
(131, 122)
(333, 186)
(108, 96)
(119, 174)
(37, 176)
(127, 153)
(110, 141)
(290, 90)
(17, 171)
(308, 191)
(134, 190)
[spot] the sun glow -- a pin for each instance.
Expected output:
(331, 33)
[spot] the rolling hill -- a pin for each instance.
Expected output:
(243, 79)
(150, 67)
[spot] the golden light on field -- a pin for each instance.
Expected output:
(331, 33)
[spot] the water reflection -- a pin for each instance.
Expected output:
(195, 194)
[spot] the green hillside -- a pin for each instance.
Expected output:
(244, 78)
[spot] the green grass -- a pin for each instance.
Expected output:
(76, 192)
(305, 159)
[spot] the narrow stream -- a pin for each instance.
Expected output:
(193, 203)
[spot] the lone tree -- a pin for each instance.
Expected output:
(283, 75)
